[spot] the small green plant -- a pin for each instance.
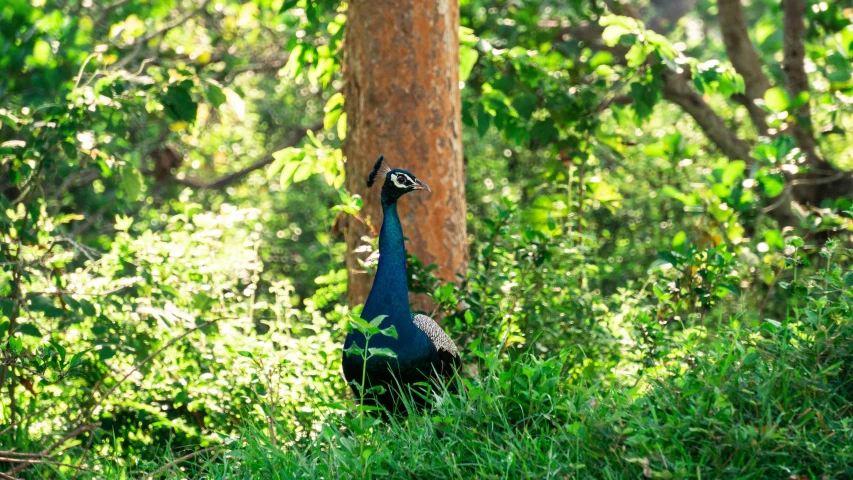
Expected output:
(369, 330)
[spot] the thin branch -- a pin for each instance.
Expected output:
(233, 177)
(744, 58)
(82, 294)
(677, 90)
(7, 453)
(141, 42)
(26, 462)
(183, 459)
(13, 424)
(146, 360)
(69, 436)
(109, 8)
(173, 24)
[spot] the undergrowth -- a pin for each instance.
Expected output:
(763, 401)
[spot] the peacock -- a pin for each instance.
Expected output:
(423, 350)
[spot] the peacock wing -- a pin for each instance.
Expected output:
(446, 352)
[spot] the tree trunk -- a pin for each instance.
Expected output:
(401, 73)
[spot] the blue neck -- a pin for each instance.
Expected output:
(390, 292)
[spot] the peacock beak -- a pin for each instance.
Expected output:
(419, 185)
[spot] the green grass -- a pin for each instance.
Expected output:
(774, 402)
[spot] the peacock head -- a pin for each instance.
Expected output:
(398, 182)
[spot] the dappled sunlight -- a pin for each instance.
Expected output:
(633, 259)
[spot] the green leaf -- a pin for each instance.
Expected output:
(801, 99)
(106, 352)
(467, 59)
(342, 126)
(77, 359)
(60, 350)
(636, 56)
(178, 102)
(483, 119)
(354, 350)
(377, 320)
(612, 34)
(41, 52)
(381, 352)
(287, 174)
(389, 332)
(773, 185)
(673, 193)
(776, 99)
(16, 344)
(679, 240)
(45, 305)
(214, 95)
(774, 238)
(293, 67)
(29, 329)
(131, 184)
(287, 5)
(333, 110)
(303, 172)
(601, 57)
(6, 306)
(733, 171)
(87, 307)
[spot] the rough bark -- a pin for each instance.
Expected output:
(744, 58)
(823, 180)
(402, 100)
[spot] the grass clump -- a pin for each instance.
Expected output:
(768, 401)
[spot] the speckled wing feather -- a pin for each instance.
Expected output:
(436, 334)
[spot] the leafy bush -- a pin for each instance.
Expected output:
(751, 402)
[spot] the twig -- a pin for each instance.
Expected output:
(26, 462)
(82, 294)
(174, 23)
(183, 459)
(8, 453)
(69, 436)
(3, 476)
(230, 178)
(146, 360)
(13, 424)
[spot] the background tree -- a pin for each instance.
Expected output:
(402, 100)
(645, 211)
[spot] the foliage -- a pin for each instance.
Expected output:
(172, 281)
(750, 401)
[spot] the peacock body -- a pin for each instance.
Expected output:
(423, 350)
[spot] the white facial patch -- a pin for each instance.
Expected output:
(402, 181)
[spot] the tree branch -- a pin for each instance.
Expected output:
(677, 90)
(230, 178)
(189, 456)
(797, 82)
(796, 79)
(744, 58)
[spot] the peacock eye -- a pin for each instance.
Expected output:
(402, 181)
